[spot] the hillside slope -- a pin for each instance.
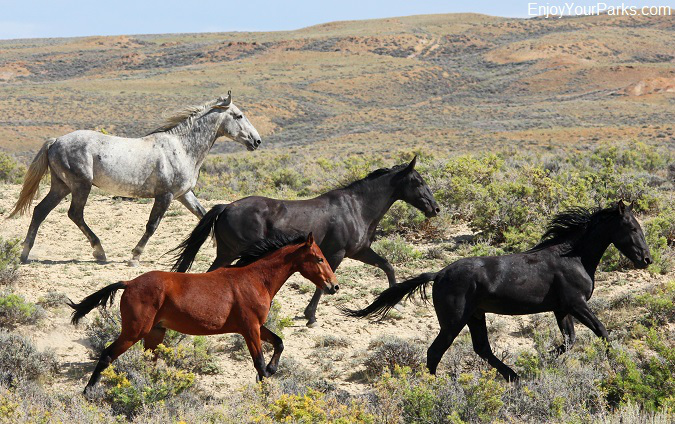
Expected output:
(455, 82)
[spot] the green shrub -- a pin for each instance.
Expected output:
(396, 250)
(20, 360)
(315, 407)
(14, 310)
(660, 304)
(195, 354)
(135, 381)
(9, 261)
(402, 218)
(10, 170)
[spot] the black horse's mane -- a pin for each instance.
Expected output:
(266, 246)
(375, 174)
(569, 225)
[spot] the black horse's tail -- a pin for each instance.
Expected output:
(187, 250)
(393, 295)
(100, 298)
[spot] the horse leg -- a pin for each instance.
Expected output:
(109, 354)
(189, 200)
(76, 214)
(224, 257)
(370, 257)
(160, 206)
(57, 192)
(252, 337)
(278, 344)
(153, 339)
(310, 311)
(481, 345)
(582, 312)
(566, 325)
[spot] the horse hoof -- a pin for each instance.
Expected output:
(313, 324)
(398, 307)
(134, 263)
(99, 255)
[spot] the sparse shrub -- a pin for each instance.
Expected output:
(331, 340)
(20, 360)
(10, 170)
(14, 310)
(315, 407)
(483, 395)
(402, 218)
(135, 380)
(195, 355)
(275, 322)
(396, 250)
(9, 261)
(391, 352)
(660, 304)
(103, 330)
(52, 299)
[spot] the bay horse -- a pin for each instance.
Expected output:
(163, 165)
(234, 299)
(343, 222)
(557, 275)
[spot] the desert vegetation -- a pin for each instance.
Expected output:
(504, 199)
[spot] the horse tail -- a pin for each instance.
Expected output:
(393, 295)
(31, 183)
(187, 250)
(100, 298)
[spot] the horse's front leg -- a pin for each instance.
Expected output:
(160, 207)
(334, 261)
(278, 344)
(369, 257)
(254, 344)
(189, 200)
(566, 326)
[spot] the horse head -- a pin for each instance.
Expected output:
(629, 238)
(414, 190)
(235, 125)
(314, 266)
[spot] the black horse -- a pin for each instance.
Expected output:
(343, 222)
(557, 275)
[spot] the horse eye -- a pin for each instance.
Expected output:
(320, 260)
(237, 117)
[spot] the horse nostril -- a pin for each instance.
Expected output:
(648, 260)
(438, 210)
(336, 287)
(257, 142)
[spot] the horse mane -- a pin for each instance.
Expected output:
(187, 115)
(266, 246)
(375, 174)
(569, 225)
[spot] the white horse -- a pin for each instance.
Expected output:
(163, 165)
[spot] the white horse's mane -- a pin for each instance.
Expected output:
(187, 116)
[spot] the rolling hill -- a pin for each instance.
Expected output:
(452, 82)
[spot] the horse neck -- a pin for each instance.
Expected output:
(376, 196)
(275, 269)
(592, 245)
(200, 137)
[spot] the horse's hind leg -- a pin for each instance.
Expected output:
(109, 354)
(566, 325)
(57, 192)
(481, 345)
(441, 344)
(278, 344)
(160, 206)
(76, 214)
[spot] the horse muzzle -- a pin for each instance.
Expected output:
(331, 288)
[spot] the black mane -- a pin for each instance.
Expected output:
(569, 225)
(375, 174)
(266, 246)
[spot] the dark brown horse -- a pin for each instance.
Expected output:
(233, 299)
(556, 275)
(342, 220)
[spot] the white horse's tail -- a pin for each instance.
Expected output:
(31, 183)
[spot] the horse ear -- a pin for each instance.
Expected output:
(310, 239)
(411, 165)
(630, 207)
(621, 207)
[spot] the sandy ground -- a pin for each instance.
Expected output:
(61, 261)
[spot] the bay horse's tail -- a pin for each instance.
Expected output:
(393, 295)
(31, 182)
(187, 250)
(101, 298)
